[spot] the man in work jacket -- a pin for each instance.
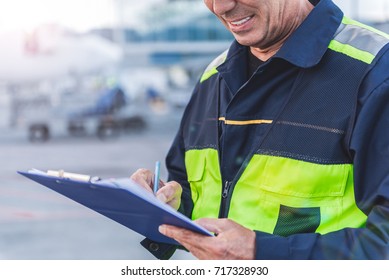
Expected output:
(283, 150)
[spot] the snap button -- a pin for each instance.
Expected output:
(154, 247)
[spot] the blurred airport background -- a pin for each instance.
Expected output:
(97, 87)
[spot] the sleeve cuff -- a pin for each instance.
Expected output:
(271, 247)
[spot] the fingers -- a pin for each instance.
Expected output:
(213, 225)
(170, 194)
(169, 191)
(232, 242)
(144, 178)
(192, 241)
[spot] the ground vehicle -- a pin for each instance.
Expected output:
(111, 114)
(106, 114)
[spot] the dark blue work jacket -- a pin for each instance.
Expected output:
(321, 103)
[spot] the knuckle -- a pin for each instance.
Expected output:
(141, 173)
(176, 186)
(220, 250)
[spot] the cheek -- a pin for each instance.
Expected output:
(209, 4)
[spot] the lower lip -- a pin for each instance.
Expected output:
(243, 27)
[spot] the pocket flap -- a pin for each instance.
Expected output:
(305, 179)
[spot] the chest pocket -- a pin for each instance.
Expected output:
(287, 196)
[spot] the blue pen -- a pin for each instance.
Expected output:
(156, 176)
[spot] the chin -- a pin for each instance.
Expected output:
(245, 42)
(246, 39)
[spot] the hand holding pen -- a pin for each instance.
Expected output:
(167, 192)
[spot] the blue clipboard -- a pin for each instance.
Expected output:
(121, 200)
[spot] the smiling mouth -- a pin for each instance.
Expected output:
(241, 21)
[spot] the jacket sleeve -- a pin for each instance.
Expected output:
(369, 146)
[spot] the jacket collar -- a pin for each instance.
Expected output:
(307, 45)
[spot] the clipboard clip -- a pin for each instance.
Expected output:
(73, 176)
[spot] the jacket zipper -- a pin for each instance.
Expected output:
(230, 185)
(226, 199)
(226, 193)
(224, 202)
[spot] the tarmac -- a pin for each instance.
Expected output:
(37, 223)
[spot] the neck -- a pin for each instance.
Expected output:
(290, 24)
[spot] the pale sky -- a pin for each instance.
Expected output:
(82, 15)
(77, 14)
(365, 9)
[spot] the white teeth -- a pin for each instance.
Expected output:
(240, 22)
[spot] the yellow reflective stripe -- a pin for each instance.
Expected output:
(208, 74)
(212, 67)
(350, 51)
(358, 40)
(347, 20)
(248, 122)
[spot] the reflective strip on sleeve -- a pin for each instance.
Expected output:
(358, 41)
(212, 67)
